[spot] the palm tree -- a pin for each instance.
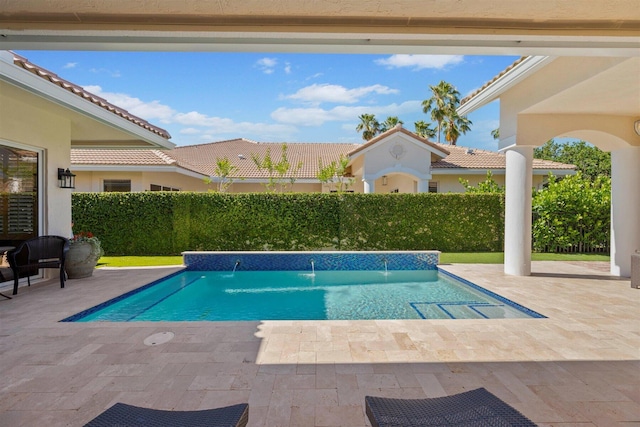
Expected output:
(442, 104)
(390, 123)
(424, 129)
(495, 133)
(368, 125)
(456, 126)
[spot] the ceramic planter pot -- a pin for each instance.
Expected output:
(81, 259)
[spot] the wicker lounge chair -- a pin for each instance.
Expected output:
(470, 409)
(121, 414)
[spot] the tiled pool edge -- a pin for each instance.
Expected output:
(301, 261)
(84, 313)
(288, 261)
(499, 297)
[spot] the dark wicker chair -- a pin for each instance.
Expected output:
(122, 414)
(38, 252)
(473, 408)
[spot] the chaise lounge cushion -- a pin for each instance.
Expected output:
(472, 408)
(122, 414)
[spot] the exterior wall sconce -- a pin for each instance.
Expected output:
(66, 179)
(636, 126)
(384, 179)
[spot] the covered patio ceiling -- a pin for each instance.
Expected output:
(544, 27)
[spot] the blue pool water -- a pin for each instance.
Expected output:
(301, 295)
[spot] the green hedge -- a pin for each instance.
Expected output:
(165, 223)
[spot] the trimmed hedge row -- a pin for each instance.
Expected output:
(167, 223)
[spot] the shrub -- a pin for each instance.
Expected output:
(166, 223)
(572, 214)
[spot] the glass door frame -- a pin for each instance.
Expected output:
(40, 183)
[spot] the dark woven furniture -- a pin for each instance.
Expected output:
(123, 415)
(475, 408)
(38, 252)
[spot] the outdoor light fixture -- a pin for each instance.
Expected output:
(384, 179)
(636, 126)
(66, 179)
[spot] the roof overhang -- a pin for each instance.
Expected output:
(497, 171)
(130, 134)
(492, 91)
(543, 27)
(77, 167)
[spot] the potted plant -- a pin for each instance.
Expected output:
(84, 251)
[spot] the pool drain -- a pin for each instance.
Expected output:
(159, 338)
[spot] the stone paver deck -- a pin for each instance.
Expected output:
(578, 367)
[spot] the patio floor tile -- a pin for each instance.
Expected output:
(578, 367)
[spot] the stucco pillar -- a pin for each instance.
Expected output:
(423, 186)
(625, 208)
(369, 186)
(517, 223)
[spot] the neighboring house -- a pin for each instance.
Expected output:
(42, 118)
(396, 161)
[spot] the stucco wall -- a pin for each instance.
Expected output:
(36, 128)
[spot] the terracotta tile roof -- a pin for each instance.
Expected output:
(466, 158)
(502, 73)
(202, 158)
(239, 152)
(82, 93)
(145, 157)
(396, 130)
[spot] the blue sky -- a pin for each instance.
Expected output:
(204, 97)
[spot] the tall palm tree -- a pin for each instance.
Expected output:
(390, 123)
(424, 129)
(456, 126)
(442, 104)
(368, 125)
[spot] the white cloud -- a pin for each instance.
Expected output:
(420, 62)
(267, 65)
(317, 93)
(226, 126)
(315, 116)
(190, 131)
(206, 128)
(147, 110)
(287, 68)
(70, 65)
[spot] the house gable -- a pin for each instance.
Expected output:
(396, 151)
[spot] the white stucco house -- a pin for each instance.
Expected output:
(42, 118)
(596, 99)
(397, 161)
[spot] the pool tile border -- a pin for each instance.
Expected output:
(322, 260)
(79, 316)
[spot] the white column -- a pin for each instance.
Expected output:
(625, 209)
(517, 222)
(369, 186)
(423, 186)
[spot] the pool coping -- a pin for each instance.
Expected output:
(531, 313)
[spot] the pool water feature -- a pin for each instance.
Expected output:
(312, 293)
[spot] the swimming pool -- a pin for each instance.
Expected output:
(378, 292)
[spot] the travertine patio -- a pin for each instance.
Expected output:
(579, 367)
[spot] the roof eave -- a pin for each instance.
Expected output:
(38, 86)
(501, 84)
